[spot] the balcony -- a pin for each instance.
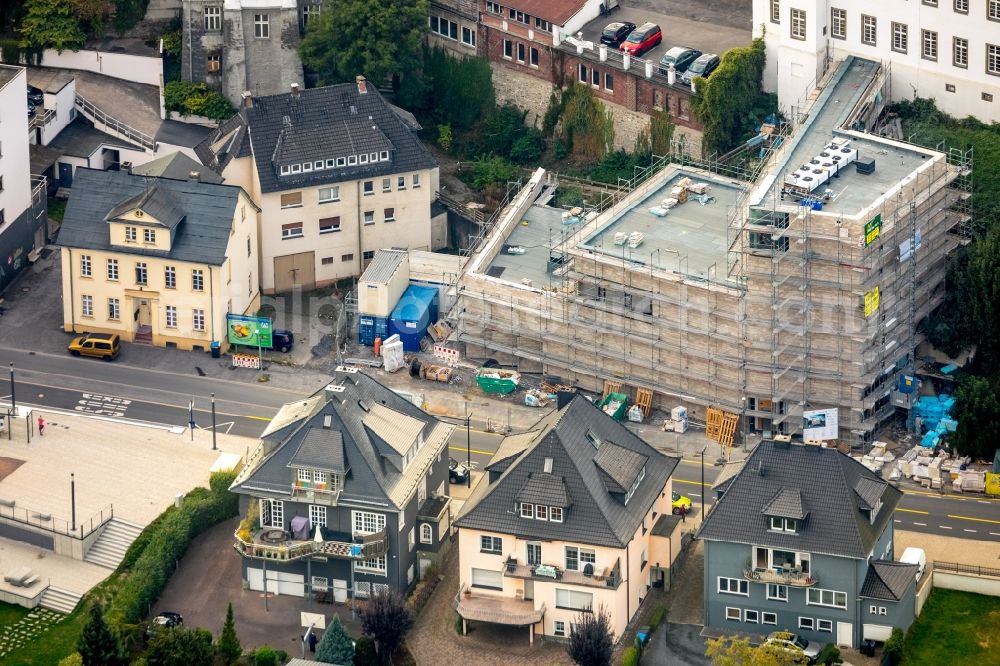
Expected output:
(497, 609)
(277, 545)
(315, 493)
(780, 576)
(605, 577)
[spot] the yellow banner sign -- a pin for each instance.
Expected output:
(992, 484)
(871, 302)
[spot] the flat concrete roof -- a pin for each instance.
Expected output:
(7, 74)
(690, 239)
(540, 230)
(852, 191)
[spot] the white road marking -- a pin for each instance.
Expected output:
(897, 521)
(944, 527)
(921, 524)
(995, 533)
(102, 405)
(984, 501)
(968, 530)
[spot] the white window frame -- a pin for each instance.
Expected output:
(508, 49)
(775, 11)
(778, 524)
(797, 29)
(993, 10)
(730, 614)
(112, 268)
(527, 510)
(559, 628)
(114, 309)
(367, 522)
(806, 623)
(960, 52)
(555, 511)
(261, 26)
(768, 617)
(87, 305)
(304, 475)
(426, 533)
(742, 587)
(198, 319)
(86, 266)
(131, 234)
(213, 18)
(928, 51)
(900, 37)
(993, 59)
(468, 36)
(332, 193)
(778, 589)
(490, 544)
(824, 625)
(574, 599)
(541, 512)
(369, 217)
(838, 23)
(275, 508)
(961, 6)
(170, 312)
(869, 30)
(833, 604)
(141, 273)
(415, 181)
(401, 182)
(376, 565)
(148, 235)
(197, 279)
(317, 515)
(170, 277)
(750, 613)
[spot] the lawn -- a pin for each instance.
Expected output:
(9, 613)
(955, 628)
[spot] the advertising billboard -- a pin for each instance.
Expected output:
(872, 229)
(248, 330)
(872, 299)
(820, 424)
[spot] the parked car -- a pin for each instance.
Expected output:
(458, 473)
(282, 340)
(793, 643)
(31, 109)
(36, 96)
(643, 38)
(615, 33)
(98, 345)
(680, 57)
(677, 501)
(703, 67)
(165, 620)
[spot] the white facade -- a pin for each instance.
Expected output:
(948, 50)
(15, 176)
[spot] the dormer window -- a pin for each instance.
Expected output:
(296, 168)
(364, 159)
(307, 167)
(635, 484)
(527, 510)
(594, 439)
(783, 525)
(330, 164)
(384, 156)
(373, 157)
(555, 514)
(130, 234)
(285, 169)
(341, 161)
(352, 160)
(318, 164)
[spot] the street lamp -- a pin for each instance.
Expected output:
(72, 500)
(213, 423)
(260, 360)
(468, 451)
(703, 482)
(13, 402)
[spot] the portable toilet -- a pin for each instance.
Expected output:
(417, 309)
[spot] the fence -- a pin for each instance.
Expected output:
(99, 117)
(45, 522)
(971, 569)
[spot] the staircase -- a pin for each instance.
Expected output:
(60, 600)
(109, 549)
(144, 335)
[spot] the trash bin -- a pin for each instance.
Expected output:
(216, 349)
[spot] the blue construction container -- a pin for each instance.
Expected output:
(417, 309)
(370, 328)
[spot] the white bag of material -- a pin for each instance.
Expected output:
(635, 414)
(393, 358)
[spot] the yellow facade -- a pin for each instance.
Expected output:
(184, 304)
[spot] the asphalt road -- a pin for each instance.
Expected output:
(116, 390)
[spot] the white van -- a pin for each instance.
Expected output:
(915, 556)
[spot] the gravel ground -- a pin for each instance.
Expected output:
(434, 642)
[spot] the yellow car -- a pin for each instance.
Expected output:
(98, 345)
(679, 501)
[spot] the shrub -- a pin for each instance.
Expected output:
(493, 171)
(830, 654)
(892, 652)
(631, 657)
(189, 98)
(657, 617)
(458, 625)
(265, 656)
(72, 660)
(365, 653)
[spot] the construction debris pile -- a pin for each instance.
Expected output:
(932, 470)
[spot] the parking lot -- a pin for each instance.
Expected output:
(708, 27)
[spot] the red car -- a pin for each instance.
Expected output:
(643, 38)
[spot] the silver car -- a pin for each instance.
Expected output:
(793, 643)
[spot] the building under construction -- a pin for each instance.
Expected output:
(794, 288)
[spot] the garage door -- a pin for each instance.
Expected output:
(877, 632)
(278, 582)
(487, 578)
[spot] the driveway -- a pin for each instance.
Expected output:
(676, 645)
(679, 641)
(208, 578)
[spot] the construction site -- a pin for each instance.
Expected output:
(769, 294)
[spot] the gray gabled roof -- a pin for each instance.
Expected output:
(383, 266)
(786, 503)
(320, 123)
(202, 237)
(595, 516)
(825, 479)
(177, 166)
(869, 491)
(547, 489)
(155, 202)
(321, 448)
(887, 580)
(620, 466)
(371, 480)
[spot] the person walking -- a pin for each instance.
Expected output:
(683, 512)
(312, 641)
(41, 425)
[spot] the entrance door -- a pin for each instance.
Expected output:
(339, 591)
(143, 317)
(295, 270)
(845, 634)
(65, 175)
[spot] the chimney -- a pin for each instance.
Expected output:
(194, 176)
(295, 91)
(247, 99)
(362, 84)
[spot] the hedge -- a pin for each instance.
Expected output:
(153, 557)
(196, 99)
(631, 657)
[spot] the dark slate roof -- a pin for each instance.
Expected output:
(321, 123)
(887, 580)
(786, 503)
(371, 478)
(542, 488)
(156, 202)
(42, 157)
(176, 133)
(81, 139)
(665, 525)
(321, 449)
(595, 517)
(825, 478)
(869, 491)
(620, 466)
(177, 166)
(201, 238)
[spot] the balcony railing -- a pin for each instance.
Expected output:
(314, 493)
(275, 544)
(608, 577)
(781, 577)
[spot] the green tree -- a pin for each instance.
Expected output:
(591, 642)
(181, 647)
(587, 127)
(661, 132)
(98, 644)
(980, 300)
(229, 647)
(725, 102)
(379, 40)
(51, 24)
(386, 618)
(335, 647)
(737, 651)
(977, 410)
(364, 652)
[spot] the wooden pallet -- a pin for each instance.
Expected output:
(611, 386)
(644, 398)
(720, 426)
